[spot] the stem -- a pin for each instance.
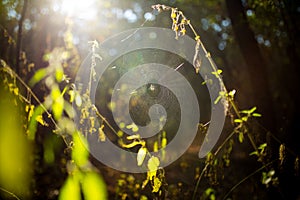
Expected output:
(207, 164)
(247, 177)
(104, 119)
(222, 85)
(10, 193)
(11, 72)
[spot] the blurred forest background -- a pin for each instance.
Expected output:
(255, 43)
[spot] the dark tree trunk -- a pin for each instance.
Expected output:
(260, 95)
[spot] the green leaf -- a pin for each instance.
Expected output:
(70, 189)
(38, 75)
(241, 137)
(238, 121)
(72, 95)
(249, 111)
(262, 146)
(55, 92)
(32, 127)
(256, 115)
(245, 119)
(93, 187)
(80, 152)
(59, 75)
(58, 107)
(253, 153)
(252, 110)
(217, 73)
(141, 155)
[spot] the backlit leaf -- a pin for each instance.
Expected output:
(93, 187)
(58, 107)
(59, 74)
(38, 75)
(72, 95)
(80, 152)
(132, 137)
(238, 121)
(40, 119)
(33, 122)
(156, 184)
(70, 189)
(78, 100)
(155, 146)
(141, 155)
(256, 115)
(241, 137)
(153, 163)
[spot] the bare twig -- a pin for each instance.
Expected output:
(247, 177)
(10, 193)
(12, 73)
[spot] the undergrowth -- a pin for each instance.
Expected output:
(56, 112)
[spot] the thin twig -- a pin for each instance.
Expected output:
(11, 72)
(10, 193)
(247, 177)
(104, 119)
(207, 164)
(214, 68)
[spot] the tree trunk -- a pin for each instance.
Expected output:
(260, 95)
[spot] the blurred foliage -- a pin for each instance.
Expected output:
(53, 47)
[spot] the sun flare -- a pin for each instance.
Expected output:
(85, 9)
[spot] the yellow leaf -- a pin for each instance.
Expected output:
(93, 187)
(101, 134)
(59, 74)
(173, 14)
(40, 119)
(58, 107)
(70, 190)
(132, 137)
(72, 95)
(150, 175)
(16, 91)
(78, 100)
(30, 109)
(155, 146)
(133, 144)
(133, 127)
(156, 184)
(164, 142)
(120, 133)
(80, 152)
(153, 163)
(141, 155)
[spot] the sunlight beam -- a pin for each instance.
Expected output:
(84, 9)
